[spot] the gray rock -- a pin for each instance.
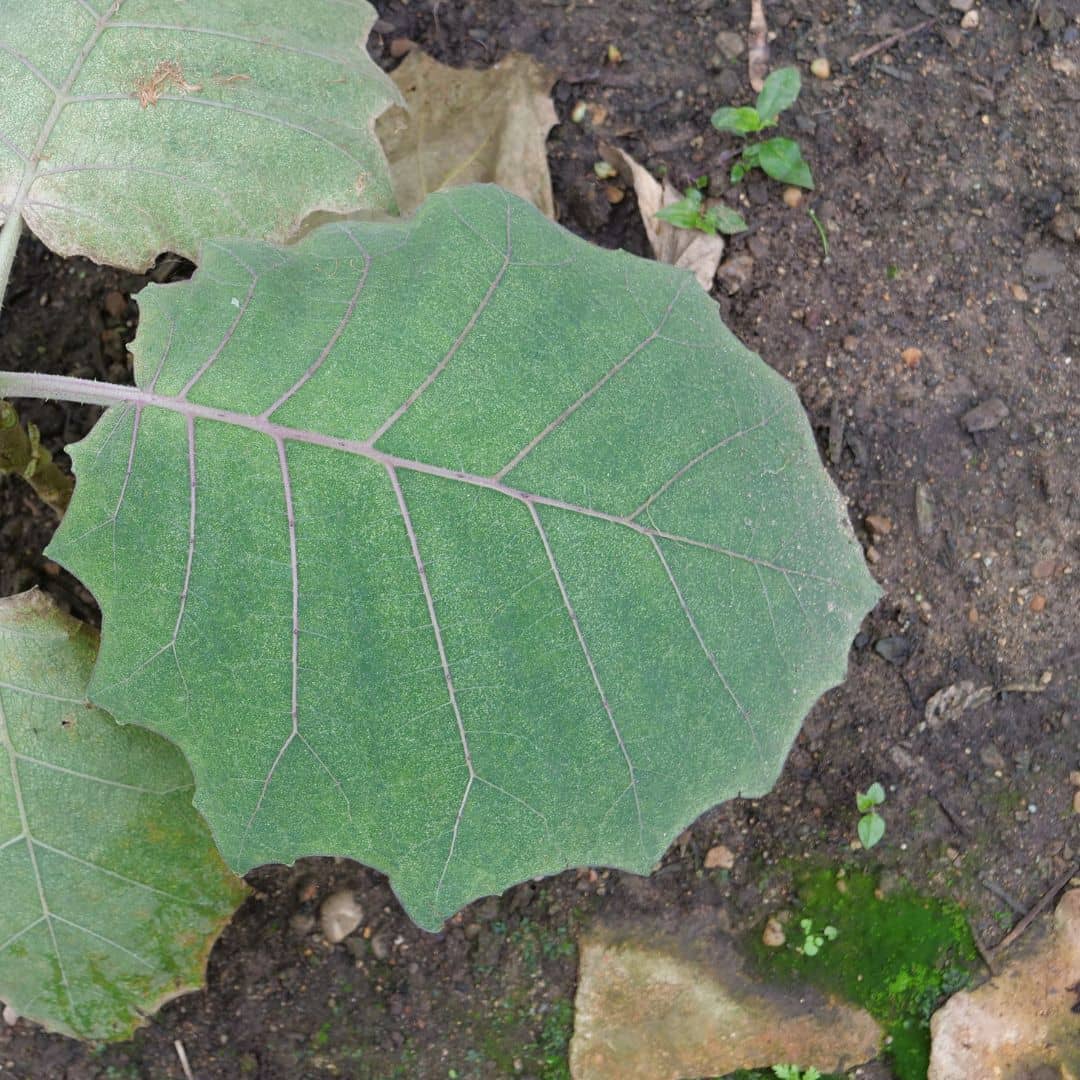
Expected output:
(896, 649)
(735, 272)
(730, 44)
(984, 416)
(924, 510)
(339, 916)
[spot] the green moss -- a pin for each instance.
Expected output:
(898, 956)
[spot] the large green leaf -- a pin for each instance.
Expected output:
(134, 126)
(460, 547)
(113, 892)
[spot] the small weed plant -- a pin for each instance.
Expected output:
(691, 212)
(871, 823)
(793, 1072)
(778, 157)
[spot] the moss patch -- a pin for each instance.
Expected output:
(897, 954)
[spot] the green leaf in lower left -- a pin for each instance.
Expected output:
(113, 890)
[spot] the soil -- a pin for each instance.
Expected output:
(947, 167)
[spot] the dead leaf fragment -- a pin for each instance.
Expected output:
(462, 126)
(688, 248)
(167, 73)
(757, 41)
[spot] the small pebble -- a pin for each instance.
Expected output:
(339, 916)
(400, 46)
(719, 858)
(773, 935)
(793, 197)
(820, 68)
(879, 524)
(912, 356)
(1019, 293)
(970, 20)
(1044, 568)
(1038, 603)
(11, 1017)
(615, 195)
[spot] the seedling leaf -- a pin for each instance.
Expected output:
(871, 829)
(460, 547)
(113, 891)
(782, 159)
(138, 126)
(742, 121)
(779, 93)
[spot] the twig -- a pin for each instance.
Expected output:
(987, 957)
(1002, 895)
(957, 824)
(1044, 901)
(890, 41)
(757, 46)
(181, 1053)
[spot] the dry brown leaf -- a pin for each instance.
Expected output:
(463, 126)
(688, 248)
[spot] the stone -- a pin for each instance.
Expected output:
(653, 1004)
(735, 272)
(963, 6)
(793, 199)
(339, 916)
(719, 858)
(730, 44)
(895, 648)
(878, 524)
(984, 416)
(773, 936)
(1021, 1023)
(970, 21)
(820, 68)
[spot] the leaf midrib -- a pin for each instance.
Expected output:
(108, 394)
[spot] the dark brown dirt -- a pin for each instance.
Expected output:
(945, 167)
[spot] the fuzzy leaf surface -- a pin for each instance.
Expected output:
(459, 547)
(132, 127)
(113, 890)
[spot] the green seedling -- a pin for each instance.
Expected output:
(812, 940)
(690, 212)
(793, 1072)
(778, 157)
(871, 824)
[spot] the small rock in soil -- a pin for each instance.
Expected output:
(970, 21)
(879, 524)
(1038, 603)
(991, 757)
(735, 273)
(963, 6)
(793, 197)
(896, 649)
(924, 510)
(381, 945)
(719, 858)
(820, 68)
(11, 1017)
(1042, 268)
(115, 304)
(339, 916)
(773, 935)
(984, 416)
(730, 44)
(1066, 226)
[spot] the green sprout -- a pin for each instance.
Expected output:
(778, 157)
(690, 212)
(871, 824)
